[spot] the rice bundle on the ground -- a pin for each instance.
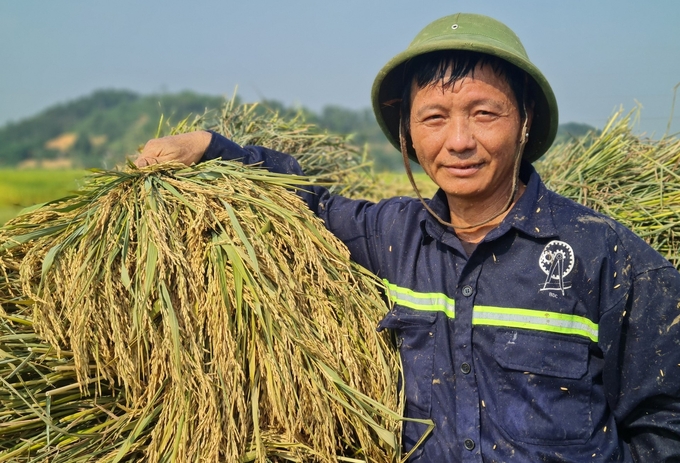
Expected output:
(189, 314)
(631, 179)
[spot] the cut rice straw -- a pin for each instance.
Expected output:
(204, 314)
(627, 177)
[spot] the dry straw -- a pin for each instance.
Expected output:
(627, 177)
(177, 314)
(327, 157)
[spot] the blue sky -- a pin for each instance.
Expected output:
(597, 55)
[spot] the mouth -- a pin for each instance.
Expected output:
(463, 170)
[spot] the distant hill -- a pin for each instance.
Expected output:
(100, 129)
(572, 130)
(97, 130)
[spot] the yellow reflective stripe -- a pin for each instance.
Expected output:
(427, 302)
(538, 320)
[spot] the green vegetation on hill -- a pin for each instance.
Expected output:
(97, 130)
(572, 131)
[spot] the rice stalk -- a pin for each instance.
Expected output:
(190, 314)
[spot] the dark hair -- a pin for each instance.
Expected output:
(450, 66)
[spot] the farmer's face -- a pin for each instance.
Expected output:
(466, 137)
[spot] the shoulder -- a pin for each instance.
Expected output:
(398, 213)
(388, 217)
(604, 235)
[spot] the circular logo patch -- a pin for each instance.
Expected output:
(557, 259)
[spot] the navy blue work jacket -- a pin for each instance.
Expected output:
(556, 340)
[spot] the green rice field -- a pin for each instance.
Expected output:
(22, 188)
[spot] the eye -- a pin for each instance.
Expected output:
(486, 115)
(433, 117)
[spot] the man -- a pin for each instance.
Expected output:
(530, 327)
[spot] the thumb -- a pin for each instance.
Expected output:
(148, 160)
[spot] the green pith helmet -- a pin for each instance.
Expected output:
(470, 32)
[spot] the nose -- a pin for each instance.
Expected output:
(459, 137)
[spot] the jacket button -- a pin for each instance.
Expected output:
(469, 444)
(465, 368)
(467, 290)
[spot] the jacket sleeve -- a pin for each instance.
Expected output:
(354, 222)
(642, 367)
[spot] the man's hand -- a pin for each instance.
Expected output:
(187, 148)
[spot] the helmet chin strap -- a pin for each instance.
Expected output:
(515, 176)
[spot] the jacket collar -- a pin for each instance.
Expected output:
(532, 214)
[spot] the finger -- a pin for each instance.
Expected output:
(141, 162)
(144, 161)
(149, 160)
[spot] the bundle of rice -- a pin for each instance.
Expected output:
(189, 314)
(204, 314)
(629, 178)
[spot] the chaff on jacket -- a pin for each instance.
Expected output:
(557, 339)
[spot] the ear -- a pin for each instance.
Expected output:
(526, 126)
(530, 114)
